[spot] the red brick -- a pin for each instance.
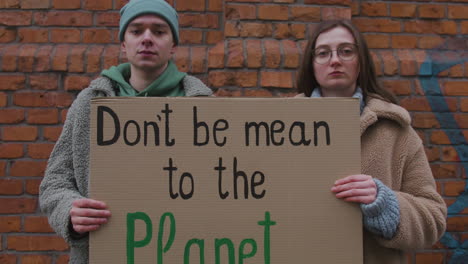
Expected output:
(69, 4)
(93, 58)
(228, 93)
(242, 12)
(213, 37)
(42, 63)
(457, 223)
(377, 64)
(429, 258)
(374, 9)
(436, 26)
(450, 154)
(10, 4)
(35, 4)
(377, 41)
(44, 82)
(197, 21)
(120, 3)
(425, 120)
(97, 36)
(191, 36)
(398, 87)
(16, 18)
(7, 35)
(276, 79)
(181, 58)
(390, 63)
(291, 54)
(19, 133)
(63, 259)
(355, 8)
(36, 243)
(407, 63)
(111, 56)
(239, 79)
(379, 25)
(11, 116)
(32, 186)
(63, 18)
(328, 2)
(37, 224)
(456, 71)
(10, 58)
(11, 151)
(42, 99)
(298, 30)
(433, 153)
(98, 5)
(108, 19)
(440, 138)
(36, 259)
(305, 13)
(415, 104)
(28, 168)
(62, 35)
(9, 223)
(273, 12)
(458, 11)
(332, 13)
(26, 57)
(464, 27)
(192, 5)
(216, 56)
(198, 61)
(235, 54)
(254, 53)
(430, 42)
(231, 29)
(10, 187)
(459, 88)
(215, 5)
(404, 42)
(40, 150)
(33, 35)
(272, 53)
(76, 83)
(281, 30)
(42, 116)
(3, 99)
(258, 30)
(2, 168)
(7, 259)
(77, 59)
(60, 58)
(12, 82)
(18, 205)
(257, 93)
(431, 11)
(462, 120)
(464, 104)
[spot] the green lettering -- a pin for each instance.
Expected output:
(266, 236)
(131, 243)
(242, 255)
(201, 246)
(230, 247)
(170, 239)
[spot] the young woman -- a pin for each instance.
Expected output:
(396, 190)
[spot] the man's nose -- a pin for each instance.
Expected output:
(147, 37)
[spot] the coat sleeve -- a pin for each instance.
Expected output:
(58, 189)
(422, 210)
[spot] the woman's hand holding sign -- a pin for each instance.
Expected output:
(88, 215)
(358, 188)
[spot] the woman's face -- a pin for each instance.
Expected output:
(336, 76)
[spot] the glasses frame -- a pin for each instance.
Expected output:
(355, 46)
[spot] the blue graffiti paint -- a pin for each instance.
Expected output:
(429, 82)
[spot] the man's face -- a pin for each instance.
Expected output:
(148, 43)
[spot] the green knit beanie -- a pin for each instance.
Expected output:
(136, 8)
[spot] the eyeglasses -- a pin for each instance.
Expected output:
(345, 51)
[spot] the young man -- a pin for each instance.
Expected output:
(149, 35)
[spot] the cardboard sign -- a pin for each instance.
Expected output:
(225, 180)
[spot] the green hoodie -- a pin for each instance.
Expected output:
(167, 84)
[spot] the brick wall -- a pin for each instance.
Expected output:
(51, 49)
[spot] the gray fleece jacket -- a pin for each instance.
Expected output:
(66, 176)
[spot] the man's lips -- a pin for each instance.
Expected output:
(147, 52)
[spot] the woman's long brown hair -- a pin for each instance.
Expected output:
(367, 78)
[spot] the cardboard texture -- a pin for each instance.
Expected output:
(194, 185)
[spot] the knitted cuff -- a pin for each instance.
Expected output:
(382, 217)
